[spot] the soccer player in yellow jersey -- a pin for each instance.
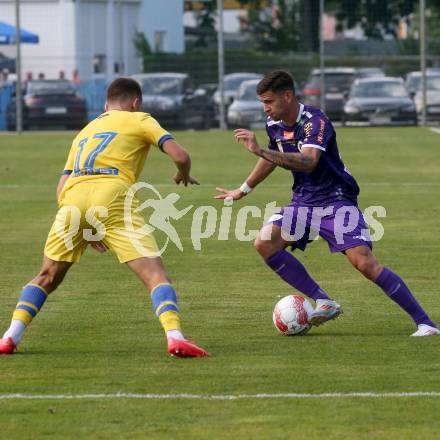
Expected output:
(106, 158)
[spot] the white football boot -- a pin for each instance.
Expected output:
(426, 330)
(326, 310)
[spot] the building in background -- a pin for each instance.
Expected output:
(95, 38)
(233, 14)
(162, 25)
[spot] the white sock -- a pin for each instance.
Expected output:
(15, 331)
(320, 302)
(176, 334)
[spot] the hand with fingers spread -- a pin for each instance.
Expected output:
(249, 140)
(185, 179)
(182, 161)
(234, 194)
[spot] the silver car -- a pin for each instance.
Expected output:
(414, 85)
(231, 84)
(246, 110)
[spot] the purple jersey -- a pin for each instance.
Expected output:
(330, 181)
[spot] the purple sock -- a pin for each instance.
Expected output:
(295, 274)
(397, 290)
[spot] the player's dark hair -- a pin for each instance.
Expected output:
(276, 81)
(123, 89)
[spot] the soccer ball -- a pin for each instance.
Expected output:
(291, 315)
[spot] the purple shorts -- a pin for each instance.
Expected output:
(341, 225)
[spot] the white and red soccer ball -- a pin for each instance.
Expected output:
(291, 315)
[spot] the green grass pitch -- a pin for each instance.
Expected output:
(98, 335)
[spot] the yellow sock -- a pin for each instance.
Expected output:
(170, 320)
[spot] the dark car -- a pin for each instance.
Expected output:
(172, 99)
(247, 111)
(379, 101)
(337, 83)
(209, 89)
(7, 64)
(49, 103)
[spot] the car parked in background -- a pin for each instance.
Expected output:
(414, 86)
(172, 99)
(49, 103)
(413, 79)
(338, 81)
(231, 84)
(379, 101)
(6, 64)
(209, 89)
(247, 111)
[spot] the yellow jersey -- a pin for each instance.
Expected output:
(115, 144)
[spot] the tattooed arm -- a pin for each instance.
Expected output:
(304, 161)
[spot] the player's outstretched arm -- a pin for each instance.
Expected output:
(261, 170)
(182, 160)
(305, 161)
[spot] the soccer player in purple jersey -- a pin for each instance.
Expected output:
(303, 140)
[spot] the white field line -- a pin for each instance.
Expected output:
(215, 396)
(435, 130)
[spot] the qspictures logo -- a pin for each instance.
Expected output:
(212, 222)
